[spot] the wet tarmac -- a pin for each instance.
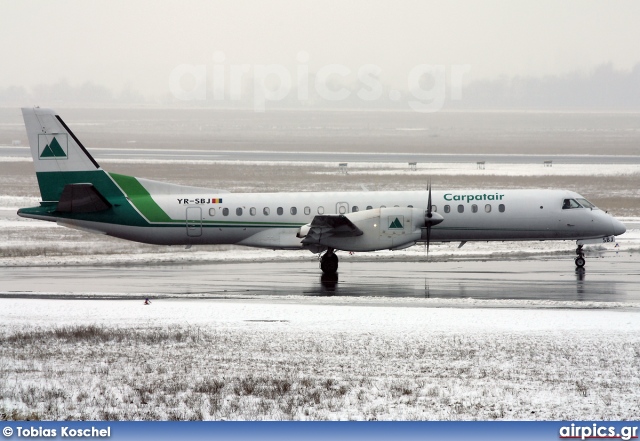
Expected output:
(320, 156)
(611, 279)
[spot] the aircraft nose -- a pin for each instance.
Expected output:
(618, 227)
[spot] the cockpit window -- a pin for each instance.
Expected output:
(585, 203)
(570, 203)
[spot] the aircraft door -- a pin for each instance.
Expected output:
(194, 221)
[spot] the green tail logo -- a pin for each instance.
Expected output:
(53, 150)
(396, 224)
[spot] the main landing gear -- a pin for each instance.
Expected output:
(580, 259)
(329, 262)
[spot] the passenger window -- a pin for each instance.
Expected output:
(266, 211)
(238, 211)
(294, 210)
(383, 206)
(447, 208)
(501, 208)
(279, 210)
(410, 206)
(460, 208)
(342, 209)
(474, 208)
(307, 210)
(369, 207)
(434, 208)
(320, 210)
(487, 208)
(570, 203)
(355, 209)
(225, 212)
(252, 211)
(212, 212)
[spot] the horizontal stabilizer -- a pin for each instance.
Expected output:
(81, 198)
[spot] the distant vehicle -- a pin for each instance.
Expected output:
(78, 193)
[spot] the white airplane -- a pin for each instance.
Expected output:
(78, 193)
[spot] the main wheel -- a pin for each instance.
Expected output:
(329, 263)
(580, 262)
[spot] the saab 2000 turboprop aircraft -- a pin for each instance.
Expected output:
(77, 193)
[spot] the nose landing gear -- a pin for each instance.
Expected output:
(580, 261)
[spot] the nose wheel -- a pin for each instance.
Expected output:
(580, 261)
(329, 262)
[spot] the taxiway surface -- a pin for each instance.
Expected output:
(614, 278)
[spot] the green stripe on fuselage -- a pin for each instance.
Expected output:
(140, 197)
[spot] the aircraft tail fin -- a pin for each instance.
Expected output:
(58, 155)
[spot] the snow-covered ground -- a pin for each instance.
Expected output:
(317, 359)
(422, 169)
(492, 169)
(469, 168)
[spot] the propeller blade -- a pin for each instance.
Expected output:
(429, 215)
(429, 202)
(431, 219)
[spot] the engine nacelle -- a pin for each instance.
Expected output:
(303, 231)
(383, 229)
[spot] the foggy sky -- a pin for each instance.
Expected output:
(135, 45)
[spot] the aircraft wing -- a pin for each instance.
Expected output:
(330, 225)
